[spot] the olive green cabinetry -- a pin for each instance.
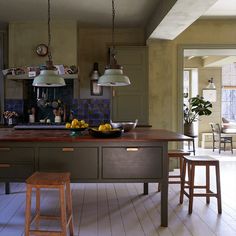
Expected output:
(16, 163)
(98, 161)
(81, 162)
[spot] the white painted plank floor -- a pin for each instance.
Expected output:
(121, 209)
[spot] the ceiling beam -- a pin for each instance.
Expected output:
(172, 17)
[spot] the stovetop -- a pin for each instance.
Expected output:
(40, 126)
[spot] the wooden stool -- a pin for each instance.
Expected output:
(49, 181)
(177, 154)
(191, 162)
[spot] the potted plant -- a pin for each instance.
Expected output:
(197, 107)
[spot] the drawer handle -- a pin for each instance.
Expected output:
(67, 149)
(5, 165)
(5, 149)
(131, 149)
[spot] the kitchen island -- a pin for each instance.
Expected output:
(136, 156)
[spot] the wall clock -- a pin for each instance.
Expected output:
(42, 50)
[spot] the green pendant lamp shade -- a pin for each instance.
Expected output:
(113, 75)
(49, 77)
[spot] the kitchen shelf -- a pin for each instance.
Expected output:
(26, 77)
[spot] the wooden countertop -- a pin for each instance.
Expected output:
(139, 134)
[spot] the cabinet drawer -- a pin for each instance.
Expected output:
(15, 171)
(132, 163)
(80, 162)
(16, 154)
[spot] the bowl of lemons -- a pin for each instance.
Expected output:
(76, 127)
(105, 131)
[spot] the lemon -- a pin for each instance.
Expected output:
(74, 123)
(108, 127)
(102, 128)
(68, 125)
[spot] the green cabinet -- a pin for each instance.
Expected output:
(131, 102)
(132, 163)
(16, 163)
(81, 162)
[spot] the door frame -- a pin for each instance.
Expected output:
(180, 68)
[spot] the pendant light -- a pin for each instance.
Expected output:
(211, 84)
(113, 75)
(49, 77)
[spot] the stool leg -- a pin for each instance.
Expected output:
(183, 173)
(207, 183)
(63, 210)
(37, 207)
(28, 210)
(191, 187)
(69, 207)
(218, 188)
(193, 147)
(180, 167)
(231, 144)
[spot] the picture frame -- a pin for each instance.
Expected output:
(209, 95)
(95, 89)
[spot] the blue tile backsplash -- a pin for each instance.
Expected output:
(93, 111)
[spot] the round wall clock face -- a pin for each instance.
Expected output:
(42, 50)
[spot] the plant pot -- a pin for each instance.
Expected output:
(189, 129)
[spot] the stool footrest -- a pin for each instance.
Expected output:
(174, 182)
(69, 219)
(174, 176)
(45, 233)
(198, 186)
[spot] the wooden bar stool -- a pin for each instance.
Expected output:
(177, 154)
(43, 180)
(189, 164)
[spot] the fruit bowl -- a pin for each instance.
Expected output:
(113, 133)
(76, 131)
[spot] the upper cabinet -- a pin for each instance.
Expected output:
(131, 102)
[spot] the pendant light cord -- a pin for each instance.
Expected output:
(49, 31)
(113, 25)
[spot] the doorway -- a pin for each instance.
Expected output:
(210, 57)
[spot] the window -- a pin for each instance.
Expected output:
(228, 98)
(229, 104)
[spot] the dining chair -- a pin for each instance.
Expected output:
(218, 139)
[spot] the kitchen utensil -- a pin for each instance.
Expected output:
(126, 126)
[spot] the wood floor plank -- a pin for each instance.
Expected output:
(88, 226)
(129, 217)
(142, 213)
(117, 227)
(153, 209)
(104, 223)
(122, 209)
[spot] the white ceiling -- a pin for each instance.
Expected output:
(163, 19)
(129, 13)
(222, 9)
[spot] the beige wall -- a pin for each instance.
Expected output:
(24, 37)
(204, 75)
(93, 47)
(163, 67)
